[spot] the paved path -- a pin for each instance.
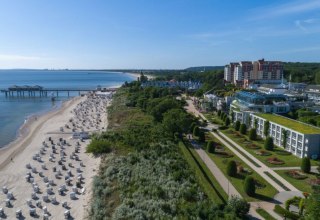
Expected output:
(268, 206)
(217, 173)
(263, 168)
(260, 170)
(313, 168)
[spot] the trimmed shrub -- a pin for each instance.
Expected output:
(224, 116)
(227, 121)
(232, 168)
(253, 134)
(249, 186)
(219, 113)
(196, 131)
(305, 165)
(266, 128)
(202, 136)
(243, 128)
(283, 212)
(268, 144)
(211, 148)
(237, 125)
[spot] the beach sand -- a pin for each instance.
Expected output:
(15, 157)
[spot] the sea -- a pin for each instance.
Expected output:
(14, 111)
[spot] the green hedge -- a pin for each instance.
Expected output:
(283, 212)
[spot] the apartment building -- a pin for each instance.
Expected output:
(301, 139)
(246, 72)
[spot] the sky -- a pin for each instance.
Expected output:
(155, 34)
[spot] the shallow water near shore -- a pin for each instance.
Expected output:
(15, 110)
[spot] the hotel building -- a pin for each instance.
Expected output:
(300, 139)
(246, 72)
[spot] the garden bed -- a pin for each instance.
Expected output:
(262, 153)
(275, 161)
(253, 146)
(296, 174)
(223, 154)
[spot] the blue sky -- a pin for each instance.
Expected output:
(155, 33)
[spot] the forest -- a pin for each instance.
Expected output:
(302, 72)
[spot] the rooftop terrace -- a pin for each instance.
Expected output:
(289, 123)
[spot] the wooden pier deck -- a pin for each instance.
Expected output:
(32, 91)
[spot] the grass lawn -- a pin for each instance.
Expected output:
(264, 214)
(243, 140)
(265, 193)
(290, 123)
(302, 185)
(213, 118)
(205, 178)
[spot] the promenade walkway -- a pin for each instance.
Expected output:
(235, 148)
(216, 172)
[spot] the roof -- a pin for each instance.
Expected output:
(289, 123)
(272, 86)
(313, 88)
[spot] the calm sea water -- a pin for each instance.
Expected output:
(14, 110)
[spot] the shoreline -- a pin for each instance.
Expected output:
(81, 112)
(26, 130)
(22, 129)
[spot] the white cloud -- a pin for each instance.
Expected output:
(307, 25)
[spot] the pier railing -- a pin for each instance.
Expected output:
(43, 92)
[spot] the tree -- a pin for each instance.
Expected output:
(253, 134)
(268, 144)
(249, 186)
(157, 107)
(305, 165)
(243, 128)
(196, 131)
(232, 116)
(317, 77)
(312, 207)
(232, 168)
(284, 138)
(176, 120)
(239, 206)
(312, 121)
(142, 77)
(211, 148)
(219, 113)
(255, 123)
(202, 136)
(266, 128)
(227, 121)
(237, 125)
(223, 115)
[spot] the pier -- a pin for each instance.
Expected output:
(34, 91)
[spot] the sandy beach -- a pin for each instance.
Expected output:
(46, 171)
